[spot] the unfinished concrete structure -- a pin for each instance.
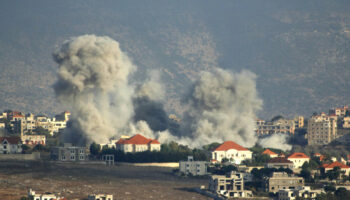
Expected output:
(282, 180)
(231, 185)
(191, 167)
(69, 153)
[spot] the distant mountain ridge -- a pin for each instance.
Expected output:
(299, 50)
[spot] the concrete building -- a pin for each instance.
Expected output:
(340, 112)
(322, 129)
(191, 167)
(303, 192)
(298, 159)
(100, 197)
(280, 162)
(346, 122)
(33, 140)
(229, 186)
(270, 153)
(278, 126)
(137, 143)
(69, 153)
(235, 153)
(47, 196)
(10, 145)
(281, 181)
(299, 122)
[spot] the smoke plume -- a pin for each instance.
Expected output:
(223, 107)
(93, 82)
(277, 141)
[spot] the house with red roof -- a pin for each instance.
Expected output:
(298, 159)
(137, 143)
(270, 153)
(344, 168)
(10, 145)
(232, 151)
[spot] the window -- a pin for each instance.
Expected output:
(72, 157)
(63, 157)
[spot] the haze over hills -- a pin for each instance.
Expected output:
(299, 50)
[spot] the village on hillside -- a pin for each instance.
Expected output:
(317, 167)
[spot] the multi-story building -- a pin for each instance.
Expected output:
(281, 180)
(346, 122)
(278, 126)
(322, 129)
(137, 143)
(69, 153)
(191, 167)
(233, 152)
(298, 159)
(10, 145)
(340, 112)
(299, 122)
(229, 186)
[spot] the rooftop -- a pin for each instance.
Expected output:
(230, 145)
(137, 139)
(298, 155)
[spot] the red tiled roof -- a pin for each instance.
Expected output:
(230, 145)
(19, 116)
(335, 164)
(279, 160)
(269, 152)
(11, 140)
(298, 155)
(317, 154)
(137, 139)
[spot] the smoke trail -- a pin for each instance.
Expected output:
(277, 141)
(93, 82)
(223, 107)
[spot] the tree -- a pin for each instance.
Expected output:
(95, 149)
(341, 193)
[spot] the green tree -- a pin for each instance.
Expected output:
(95, 149)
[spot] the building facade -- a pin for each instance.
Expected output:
(69, 153)
(100, 197)
(321, 129)
(191, 167)
(33, 140)
(10, 145)
(298, 159)
(280, 162)
(229, 186)
(281, 181)
(233, 152)
(278, 126)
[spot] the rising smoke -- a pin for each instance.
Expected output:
(93, 81)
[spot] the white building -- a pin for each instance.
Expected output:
(10, 145)
(298, 159)
(304, 192)
(229, 186)
(231, 151)
(47, 196)
(100, 197)
(33, 139)
(137, 143)
(192, 167)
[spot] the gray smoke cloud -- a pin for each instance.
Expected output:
(277, 141)
(93, 82)
(222, 107)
